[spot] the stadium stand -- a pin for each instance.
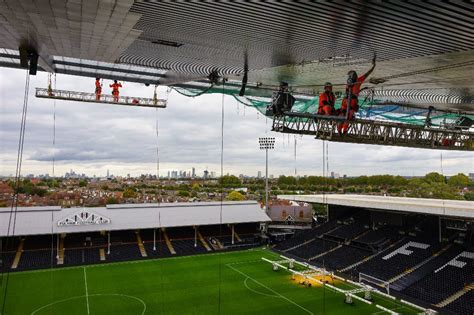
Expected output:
(306, 235)
(314, 248)
(342, 257)
(453, 272)
(392, 262)
(408, 255)
(39, 252)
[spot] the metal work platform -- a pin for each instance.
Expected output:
(106, 99)
(374, 132)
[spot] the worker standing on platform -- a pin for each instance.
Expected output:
(350, 103)
(98, 89)
(326, 101)
(115, 90)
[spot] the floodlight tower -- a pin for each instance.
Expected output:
(266, 143)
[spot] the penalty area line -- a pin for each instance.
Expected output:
(269, 289)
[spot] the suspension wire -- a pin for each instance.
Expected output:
(442, 173)
(327, 158)
(222, 187)
(157, 148)
(14, 205)
(295, 154)
(54, 130)
(52, 182)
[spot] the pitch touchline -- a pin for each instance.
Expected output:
(87, 293)
(269, 289)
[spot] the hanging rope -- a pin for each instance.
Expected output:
(54, 176)
(221, 186)
(327, 158)
(295, 156)
(54, 131)
(157, 151)
(14, 205)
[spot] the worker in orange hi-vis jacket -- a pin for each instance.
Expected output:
(326, 100)
(115, 90)
(351, 98)
(98, 89)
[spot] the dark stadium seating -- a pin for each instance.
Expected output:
(378, 238)
(37, 259)
(186, 247)
(389, 264)
(341, 257)
(314, 248)
(124, 252)
(6, 260)
(161, 249)
(445, 280)
(88, 255)
(306, 235)
(117, 237)
(84, 248)
(347, 231)
(463, 305)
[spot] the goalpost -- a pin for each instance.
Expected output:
(365, 278)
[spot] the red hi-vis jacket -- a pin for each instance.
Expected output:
(326, 103)
(115, 87)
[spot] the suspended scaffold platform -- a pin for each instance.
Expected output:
(374, 132)
(106, 99)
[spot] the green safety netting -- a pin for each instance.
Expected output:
(368, 108)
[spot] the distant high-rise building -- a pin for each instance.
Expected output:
(206, 174)
(193, 174)
(259, 174)
(108, 173)
(213, 175)
(471, 176)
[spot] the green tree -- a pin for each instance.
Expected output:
(82, 183)
(230, 181)
(434, 177)
(469, 196)
(129, 193)
(183, 193)
(112, 201)
(460, 180)
(235, 196)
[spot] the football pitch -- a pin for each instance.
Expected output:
(221, 283)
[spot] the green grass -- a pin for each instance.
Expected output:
(226, 283)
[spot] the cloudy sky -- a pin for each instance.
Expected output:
(91, 138)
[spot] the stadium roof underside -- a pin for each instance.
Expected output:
(425, 48)
(53, 219)
(441, 207)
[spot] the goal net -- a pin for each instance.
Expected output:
(365, 278)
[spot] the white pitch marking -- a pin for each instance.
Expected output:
(83, 296)
(87, 292)
(269, 289)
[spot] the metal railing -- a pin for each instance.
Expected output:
(104, 98)
(374, 132)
